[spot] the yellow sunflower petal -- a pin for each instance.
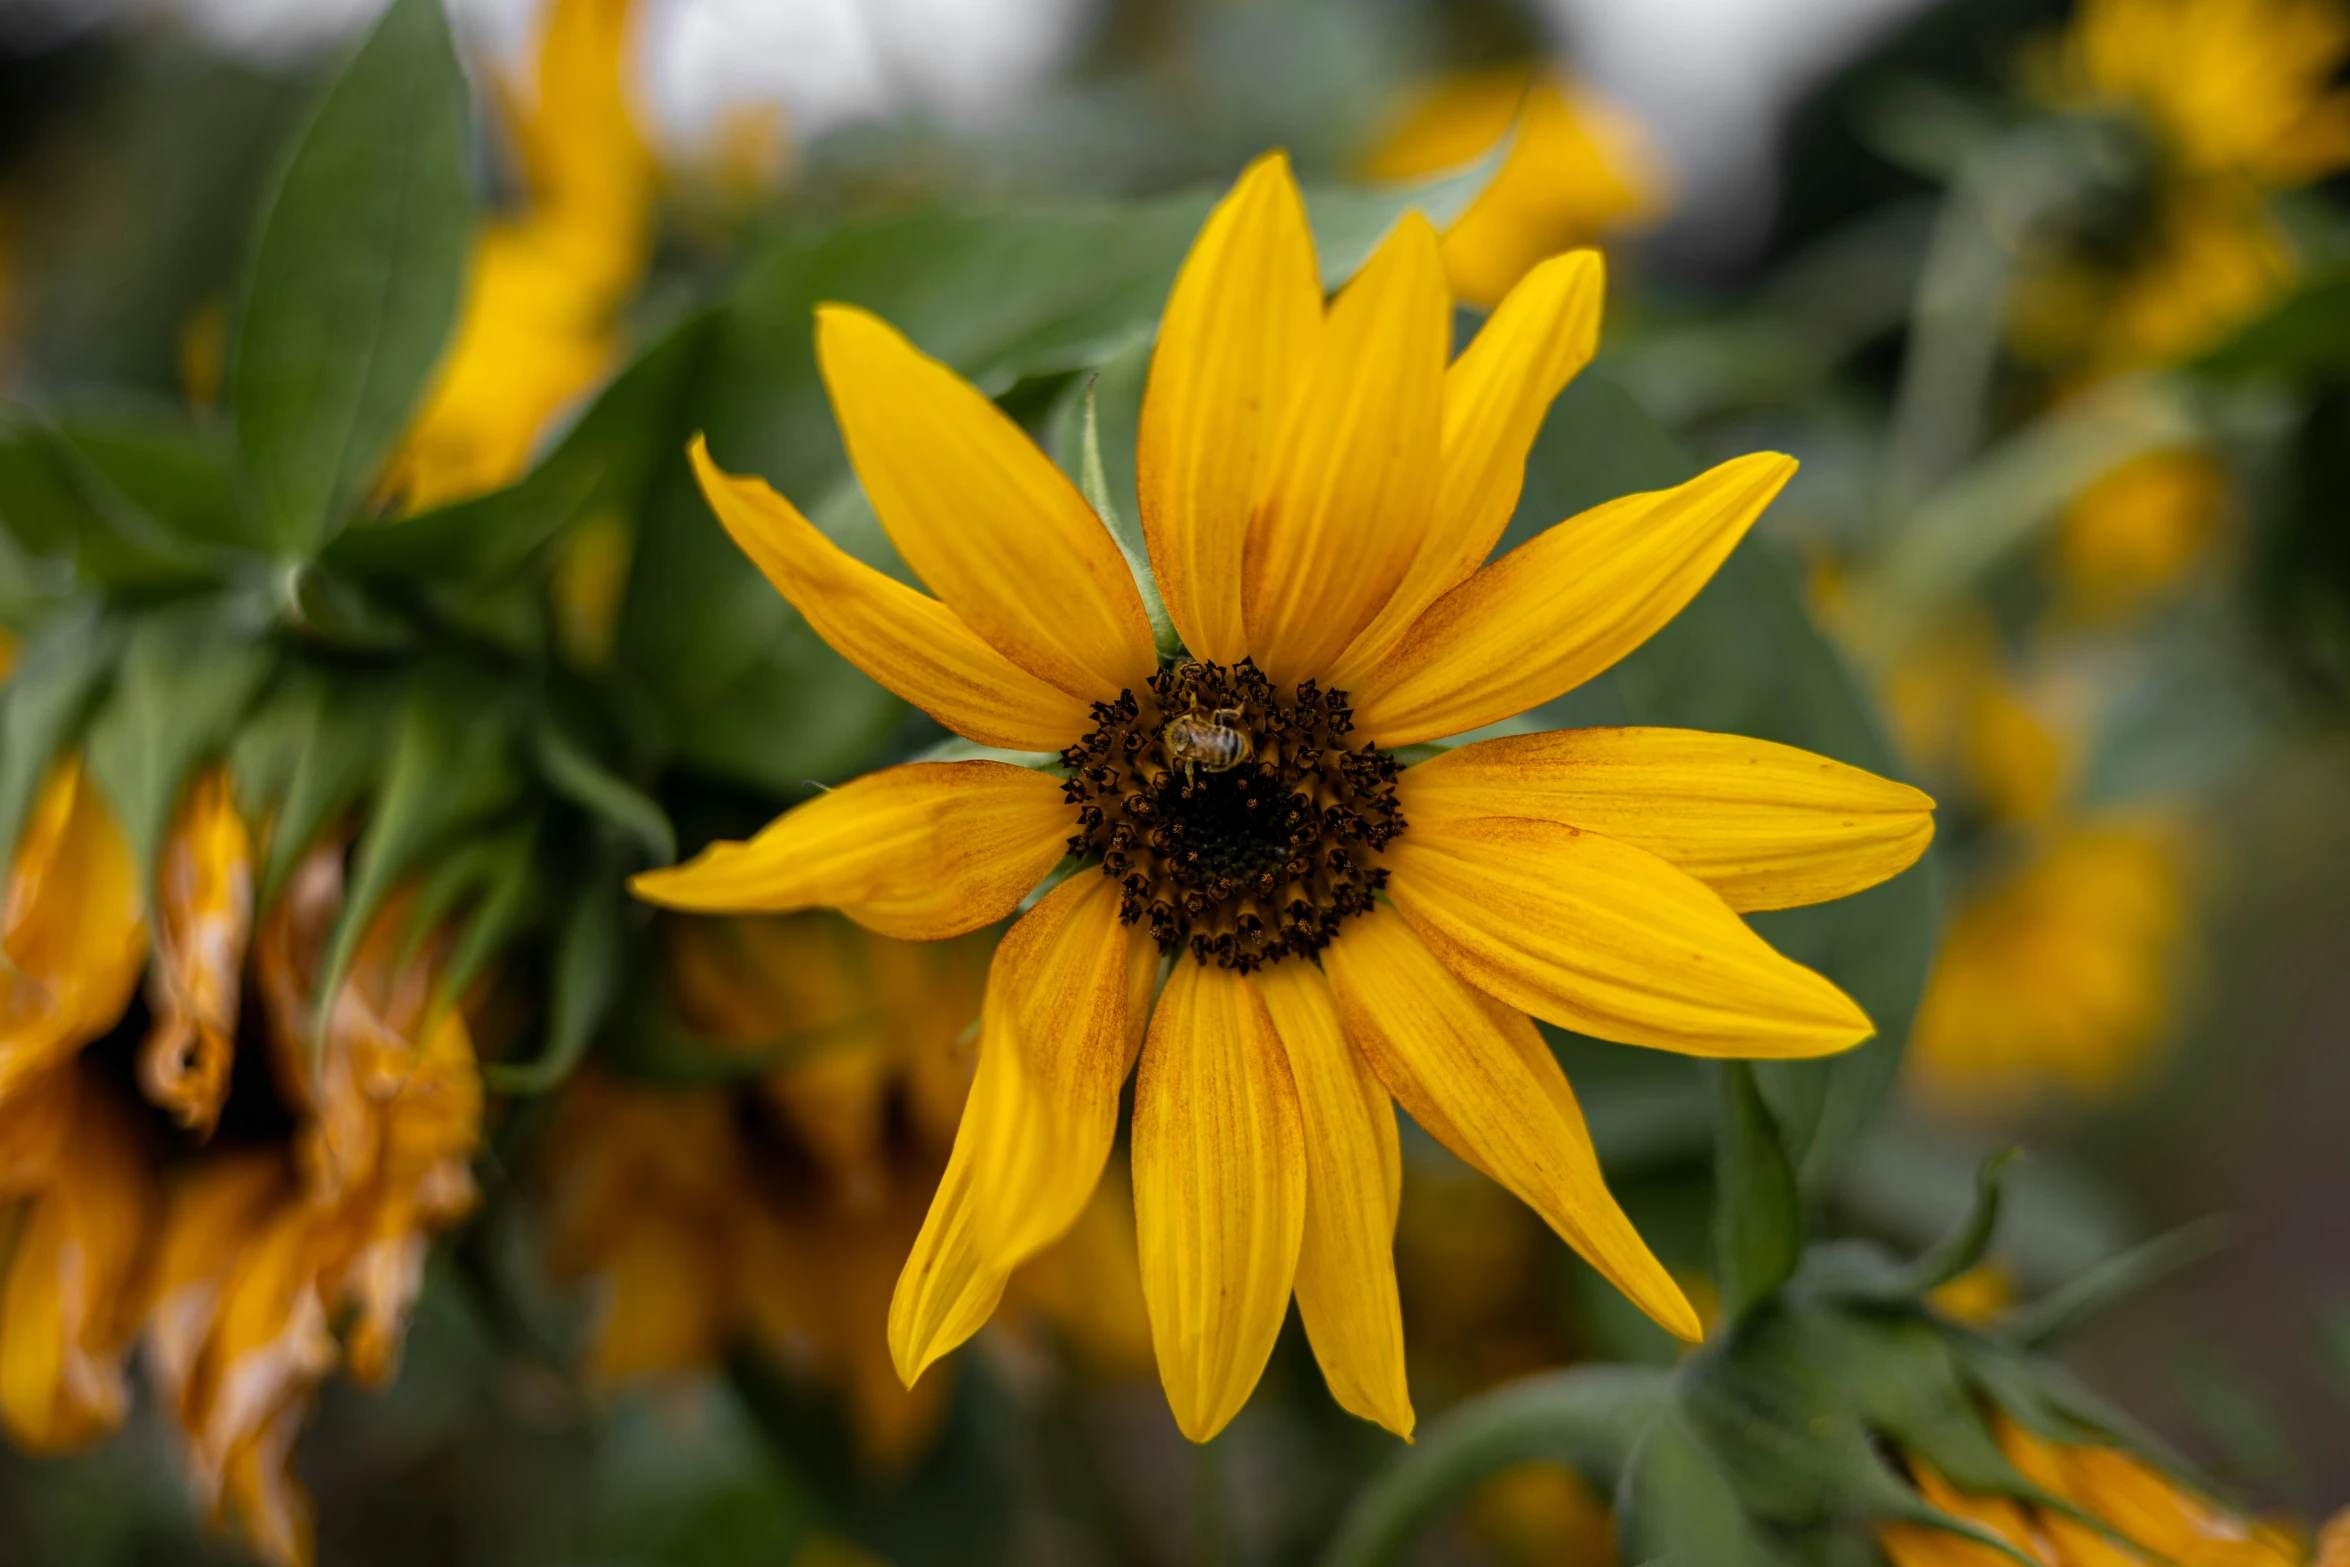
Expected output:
(1236, 345)
(1058, 994)
(1353, 481)
(981, 515)
(1562, 607)
(1600, 937)
(906, 641)
(1219, 1192)
(1766, 826)
(950, 1286)
(1495, 397)
(1478, 1077)
(1354, 1178)
(920, 852)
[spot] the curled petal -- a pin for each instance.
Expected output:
(1600, 937)
(1766, 826)
(204, 916)
(1235, 346)
(1562, 607)
(1219, 1191)
(981, 515)
(1478, 1077)
(906, 641)
(920, 852)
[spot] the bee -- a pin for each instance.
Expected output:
(1209, 742)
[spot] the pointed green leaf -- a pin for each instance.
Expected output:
(1964, 1246)
(304, 758)
(60, 505)
(50, 692)
(582, 989)
(2066, 1310)
(1675, 1508)
(587, 783)
(355, 279)
(187, 676)
(1758, 1214)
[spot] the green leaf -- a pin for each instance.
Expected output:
(59, 504)
(1745, 658)
(587, 783)
(452, 764)
(1587, 1417)
(187, 675)
(180, 474)
(506, 889)
(42, 705)
(2066, 1310)
(355, 279)
(1758, 1215)
(2307, 332)
(586, 981)
(304, 758)
(1675, 1508)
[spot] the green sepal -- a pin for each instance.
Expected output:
(1586, 1417)
(60, 505)
(1675, 1507)
(304, 758)
(584, 985)
(575, 774)
(43, 704)
(186, 678)
(505, 890)
(2063, 1311)
(1956, 1252)
(1758, 1213)
(320, 602)
(453, 764)
(355, 279)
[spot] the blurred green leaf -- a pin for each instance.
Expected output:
(304, 756)
(42, 705)
(1587, 1417)
(1674, 1508)
(589, 963)
(186, 677)
(572, 772)
(180, 474)
(1745, 658)
(59, 504)
(355, 278)
(2307, 332)
(1758, 1215)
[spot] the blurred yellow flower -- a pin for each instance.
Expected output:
(1977, 1295)
(2164, 1520)
(536, 330)
(1319, 492)
(1581, 170)
(2059, 977)
(72, 930)
(2139, 529)
(708, 1217)
(1542, 1515)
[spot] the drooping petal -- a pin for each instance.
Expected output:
(1354, 1180)
(920, 852)
(72, 929)
(981, 515)
(1562, 607)
(1058, 995)
(1219, 1191)
(204, 915)
(1038, 1126)
(1346, 502)
(1766, 826)
(1495, 397)
(1600, 937)
(1478, 1077)
(906, 641)
(1235, 347)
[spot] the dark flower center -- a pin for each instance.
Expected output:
(1232, 813)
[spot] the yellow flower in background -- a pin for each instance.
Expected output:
(2140, 529)
(73, 1266)
(2163, 1519)
(2236, 86)
(536, 330)
(204, 915)
(2057, 978)
(72, 930)
(1581, 169)
(1542, 1515)
(709, 1217)
(1319, 493)
(279, 1266)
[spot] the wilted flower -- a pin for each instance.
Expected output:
(72, 928)
(1319, 493)
(204, 915)
(1580, 169)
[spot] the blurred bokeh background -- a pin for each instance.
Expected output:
(2054, 325)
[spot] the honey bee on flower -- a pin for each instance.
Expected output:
(1284, 949)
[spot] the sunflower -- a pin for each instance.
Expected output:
(1339, 931)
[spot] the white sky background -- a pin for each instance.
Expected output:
(1711, 77)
